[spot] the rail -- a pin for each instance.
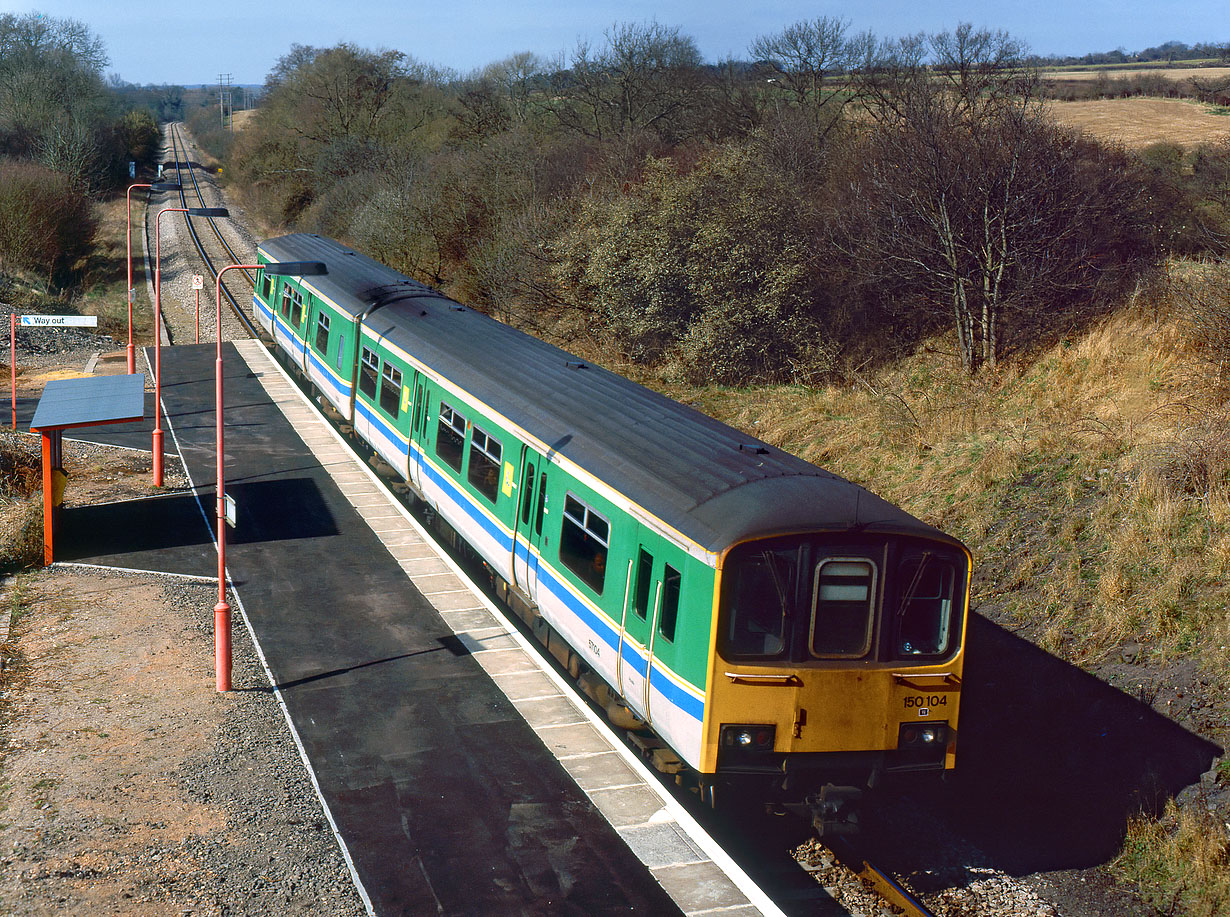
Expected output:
(880, 881)
(183, 164)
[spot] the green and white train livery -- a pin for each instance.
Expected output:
(774, 625)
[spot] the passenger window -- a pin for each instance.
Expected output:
(341, 347)
(668, 617)
(583, 543)
(322, 333)
(451, 436)
(924, 612)
(644, 582)
(285, 299)
(369, 371)
(266, 287)
(485, 456)
(390, 389)
(843, 600)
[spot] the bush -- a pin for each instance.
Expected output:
(21, 508)
(708, 270)
(46, 220)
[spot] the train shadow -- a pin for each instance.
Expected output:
(1052, 762)
(173, 532)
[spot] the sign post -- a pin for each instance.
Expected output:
(39, 321)
(198, 283)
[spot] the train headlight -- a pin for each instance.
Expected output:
(748, 738)
(922, 746)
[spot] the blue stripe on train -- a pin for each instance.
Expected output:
(547, 577)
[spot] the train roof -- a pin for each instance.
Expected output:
(713, 484)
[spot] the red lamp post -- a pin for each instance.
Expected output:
(194, 212)
(153, 186)
(222, 611)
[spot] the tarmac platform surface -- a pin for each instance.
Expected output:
(460, 778)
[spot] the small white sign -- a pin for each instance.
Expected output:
(198, 282)
(58, 321)
(228, 509)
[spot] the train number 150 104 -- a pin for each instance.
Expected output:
(934, 700)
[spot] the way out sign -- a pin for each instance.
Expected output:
(58, 321)
(39, 321)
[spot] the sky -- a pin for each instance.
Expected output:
(152, 42)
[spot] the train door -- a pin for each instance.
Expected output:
(308, 310)
(667, 584)
(531, 515)
(640, 609)
(418, 432)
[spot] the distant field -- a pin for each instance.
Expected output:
(1140, 122)
(241, 118)
(1170, 73)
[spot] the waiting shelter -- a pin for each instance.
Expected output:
(68, 403)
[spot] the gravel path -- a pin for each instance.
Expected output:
(131, 786)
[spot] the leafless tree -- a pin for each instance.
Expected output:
(51, 90)
(813, 60)
(645, 79)
(969, 198)
(515, 77)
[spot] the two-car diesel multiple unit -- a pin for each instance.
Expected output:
(782, 632)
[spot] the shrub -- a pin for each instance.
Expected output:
(46, 220)
(708, 269)
(21, 508)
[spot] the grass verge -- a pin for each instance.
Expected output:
(1180, 863)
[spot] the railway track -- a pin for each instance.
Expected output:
(213, 251)
(880, 880)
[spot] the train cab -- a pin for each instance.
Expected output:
(837, 662)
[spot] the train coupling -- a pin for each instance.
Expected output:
(834, 810)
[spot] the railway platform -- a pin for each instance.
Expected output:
(460, 774)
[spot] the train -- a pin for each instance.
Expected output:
(763, 628)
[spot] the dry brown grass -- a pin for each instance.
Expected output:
(1171, 73)
(1181, 862)
(108, 274)
(1139, 122)
(241, 119)
(1059, 473)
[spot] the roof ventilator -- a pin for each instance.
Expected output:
(575, 364)
(754, 448)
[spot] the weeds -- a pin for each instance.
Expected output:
(21, 507)
(1181, 862)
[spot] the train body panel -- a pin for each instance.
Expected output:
(768, 620)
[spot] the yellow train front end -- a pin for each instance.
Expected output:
(836, 663)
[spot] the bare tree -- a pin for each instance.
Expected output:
(646, 79)
(812, 60)
(516, 77)
(972, 200)
(50, 84)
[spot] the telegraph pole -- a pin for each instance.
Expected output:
(225, 104)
